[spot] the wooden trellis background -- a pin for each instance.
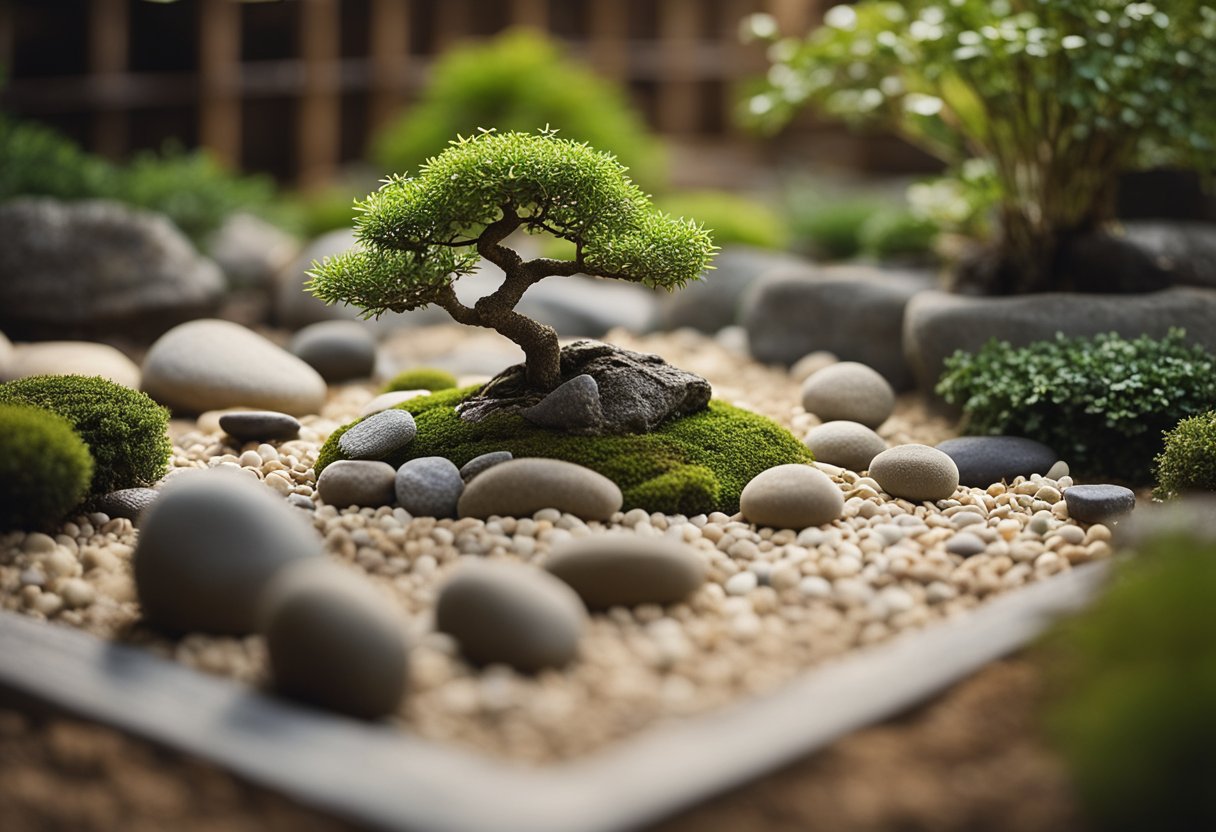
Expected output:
(296, 87)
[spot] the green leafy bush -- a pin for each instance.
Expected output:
(518, 81)
(690, 465)
(37, 161)
(1102, 403)
(829, 226)
(888, 235)
(127, 432)
(731, 218)
(45, 467)
(1188, 461)
(421, 378)
(1059, 96)
(1134, 680)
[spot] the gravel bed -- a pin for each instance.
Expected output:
(776, 602)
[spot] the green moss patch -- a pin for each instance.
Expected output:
(421, 378)
(45, 467)
(692, 465)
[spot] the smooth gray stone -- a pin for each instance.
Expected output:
(983, 460)
(484, 462)
(1098, 503)
(357, 482)
(915, 472)
(259, 425)
(129, 503)
(429, 486)
(80, 358)
(619, 569)
(208, 547)
(250, 251)
(300, 501)
(965, 544)
(334, 641)
(522, 487)
(574, 405)
(848, 391)
(791, 497)
(512, 614)
(93, 268)
(848, 444)
(716, 300)
(338, 350)
(1186, 249)
(378, 435)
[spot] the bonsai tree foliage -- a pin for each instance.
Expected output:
(1056, 96)
(419, 234)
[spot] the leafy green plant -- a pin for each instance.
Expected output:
(45, 467)
(421, 378)
(126, 432)
(888, 235)
(731, 218)
(518, 81)
(37, 161)
(1059, 96)
(828, 226)
(419, 234)
(1188, 460)
(1102, 403)
(1132, 684)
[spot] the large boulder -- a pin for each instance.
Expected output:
(853, 311)
(1186, 249)
(716, 299)
(250, 251)
(938, 323)
(96, 268)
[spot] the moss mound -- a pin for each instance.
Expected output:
(127, 433)
(1188, 461)
(421, 378)
(45, 467)
(692, 465)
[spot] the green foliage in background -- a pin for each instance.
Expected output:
(420, 378)
(518, 81)
(127, 433)
(1188, 460)
(1134, 680)
(45, 468)
(730, 218)
(828, 226)
(37, 161)
(1102, 403)
(1058, 96)
(897, 234)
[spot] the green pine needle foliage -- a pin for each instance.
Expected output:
(1102, 403)
(45, 468)
(421, 378)
(691, 465)
(418, 233)
(519, 81)
(126, 431)
(1188, 461)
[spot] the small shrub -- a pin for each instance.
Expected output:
(45, 467)
(730, 218)
(1102, 403)
(37, 161)
(127, 432)
(421, 378)
(1188, 461)
(519, 81)
(1133, 683)
(830, 228)
(895, 234)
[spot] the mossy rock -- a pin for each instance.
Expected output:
(45, 467)
(691, 465)
(421, 378)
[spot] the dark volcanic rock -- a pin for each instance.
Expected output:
(575, 405)
(983, 460)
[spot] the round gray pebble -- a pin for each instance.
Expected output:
(484, 462)
(791, 497)
(627, 569)
(1098, 503)
(259, 425)
(357, 482)
(847, 444)
(338, 350)
(429, 486)
(849, 390)
(965, 544)
(378, 435)
(915, 472)
(522, 487)
(130, 503)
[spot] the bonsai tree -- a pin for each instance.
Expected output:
(419, 234)
(1056, 97)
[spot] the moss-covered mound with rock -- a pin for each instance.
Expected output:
(420, 378)
(691, 465)
(126, 432)
(45, 467)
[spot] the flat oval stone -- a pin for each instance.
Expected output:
(208, 547)
(338, 350)
(130, 503)
(378, 435)
(847, 444)
(791, 497)
(80, 358)
(1098, 503)
(511, 614)
(429, 486)
(849, 391)
(522, 487)
(333, 641)
(983, 460)
(357, 482)
(915, 472)
(965, 544)
(627, 569)
(478, 464)
(255, 425)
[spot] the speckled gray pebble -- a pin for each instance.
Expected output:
(333, 641)
(791, 497)
(849, 390)
(429, 486)
(357, 482)
(627, 569)
(1098, 503)
(378, 435)
(253, 425)
(915, 472)
(522, 487)
(848, 444)
(483, 463)
(965, 544)
(127, 502)
(511, 614)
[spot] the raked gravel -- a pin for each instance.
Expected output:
(774, 603)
